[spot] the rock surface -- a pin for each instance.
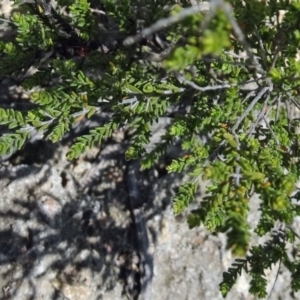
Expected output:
(66, 232)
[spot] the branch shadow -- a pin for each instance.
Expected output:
(77, 247)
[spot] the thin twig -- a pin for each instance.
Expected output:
(183, 79)
(250, 107)
(277, 274)
(132, 101)
(202, 89)
(296, 103)
(288, 113)
(239, 56)
(241, 37)
(261, 46)
(294, 232)
(259, 117)
(234, 128)
(237, 175)
(250, 94)
(278, 109)
(166, 22)
(7, 21)
(272, 132)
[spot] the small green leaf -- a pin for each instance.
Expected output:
(132, 89)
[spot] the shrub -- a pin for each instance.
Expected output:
(228, 77)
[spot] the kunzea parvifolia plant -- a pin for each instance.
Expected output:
(227, 74)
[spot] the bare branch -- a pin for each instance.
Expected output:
(248, 85)
(166, 22)
(181, 79)
(241, 37)
(250, 107)
(261, 114)
(272, 132)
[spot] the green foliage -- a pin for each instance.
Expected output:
(82, 17)
(259, 259)
(241, 141)
(95, 136)
(11, 141)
